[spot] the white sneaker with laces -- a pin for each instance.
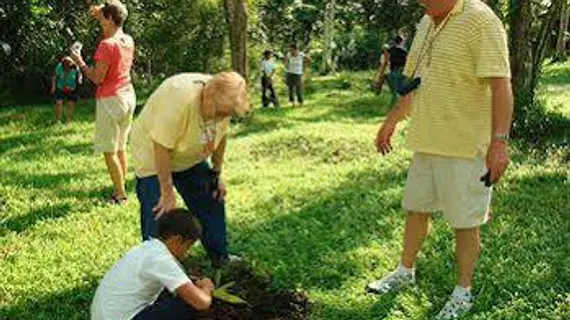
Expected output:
(394, 281)
(457, 305)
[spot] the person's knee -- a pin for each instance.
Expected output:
(419, 216)
(468, 233)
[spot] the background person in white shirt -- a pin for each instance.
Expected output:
(267, 72)
(131, 288)
(295, 61)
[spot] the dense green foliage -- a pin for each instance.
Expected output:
(361, 27)
(310, 201)
(189, 35)
(171, 37)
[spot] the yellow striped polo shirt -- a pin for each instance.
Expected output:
(451, 110)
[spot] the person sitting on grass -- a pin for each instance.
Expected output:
(131, 289)
(64, 86)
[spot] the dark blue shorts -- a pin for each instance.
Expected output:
(71, 96)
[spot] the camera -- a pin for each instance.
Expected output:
(486, 179)
(76, 46)
(408, 85)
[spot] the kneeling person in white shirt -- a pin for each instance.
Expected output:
(130, 290)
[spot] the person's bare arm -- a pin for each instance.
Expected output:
(163, 163)
(218, 155)
(53, 80)
(502, 114)
(502, 106)
(217, 163)
(383, 65)
(400, 112)
(198, 298)
(96, 74)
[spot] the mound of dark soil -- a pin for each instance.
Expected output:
(264, 301)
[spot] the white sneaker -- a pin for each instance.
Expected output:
(395, 281)
(456, 306)
(232, 258)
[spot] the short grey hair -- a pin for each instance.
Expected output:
(231, 93)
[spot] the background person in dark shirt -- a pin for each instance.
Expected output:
(395, 56)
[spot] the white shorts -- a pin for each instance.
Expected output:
(113, 119)
(451, 185)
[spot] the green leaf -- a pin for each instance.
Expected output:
(225, 296)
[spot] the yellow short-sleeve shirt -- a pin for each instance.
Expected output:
(171, 117)
(451, 110)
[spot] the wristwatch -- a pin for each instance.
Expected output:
(501, 137)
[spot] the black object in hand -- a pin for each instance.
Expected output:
(408, 85)
(214, 180)
(486, 179)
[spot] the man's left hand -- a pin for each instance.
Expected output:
(220, 194)
(497, 159)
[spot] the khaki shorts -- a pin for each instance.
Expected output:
(451, 185)
(113, 119)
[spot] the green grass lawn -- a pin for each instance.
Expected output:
(310, 201)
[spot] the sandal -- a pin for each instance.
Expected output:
(116, 200)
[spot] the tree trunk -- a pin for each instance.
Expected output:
(528, 44)
(539, 51)
(562, 39)
(236, 18)
(520, 47)
(327, 64)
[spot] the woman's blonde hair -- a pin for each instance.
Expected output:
(229, 93)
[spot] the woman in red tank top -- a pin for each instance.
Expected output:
(115, 94)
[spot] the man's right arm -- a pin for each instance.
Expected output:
(401, 111)
(198, 298)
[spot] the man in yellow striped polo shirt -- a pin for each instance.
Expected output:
(460, 114)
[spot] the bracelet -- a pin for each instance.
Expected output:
(504, 137)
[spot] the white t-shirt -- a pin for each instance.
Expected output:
(136, 280)
(295, 63)
(267, 66)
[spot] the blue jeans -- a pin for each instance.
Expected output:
(295, 84)
(172, 308)
(395, 81)
(194, 186)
